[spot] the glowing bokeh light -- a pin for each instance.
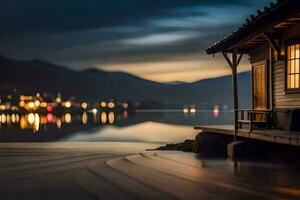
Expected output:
(94, 111)
(58, 123)
(84, 105)
(68, 104)
(58, 100)
(68, 118)
(13, 118)
(185, 110)
(216, 112)
(125, 114)
(36, 124)
(50, 118)
(125, 105)
(103, 104)
(37, 103)
(111, 105)
(21, 104)
(49, 108)
(111, 117)
(30, 118)
(43, 104)
(31, 105)
(84, 118)
(103, 117)
(193, 110)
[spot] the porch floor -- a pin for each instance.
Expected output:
(270, 135)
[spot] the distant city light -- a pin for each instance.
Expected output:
(58, 100)
(68, 104)
(103, 104)
(49, 108)
(43, 104)
(185, 110)
(216, 107)
(193, 110)
(31, 105)
(111, 104)
(125, 105)
(84, 105)
(37, 103)
(21, 104)
(94, 111)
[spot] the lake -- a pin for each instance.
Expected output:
(149, 126)
(102, 156)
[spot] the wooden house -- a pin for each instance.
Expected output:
(271, 38)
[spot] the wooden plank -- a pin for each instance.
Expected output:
(270, 135)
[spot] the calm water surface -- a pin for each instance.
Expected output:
(136, 131)
(154, 126)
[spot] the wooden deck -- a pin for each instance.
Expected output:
(270, 135)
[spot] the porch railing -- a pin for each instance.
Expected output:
(258, 118)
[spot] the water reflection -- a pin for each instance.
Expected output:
(68, 118)
(50, 126)
(58, 123)
(84, 118)
(111, 117)
(103, 117)
(216, 112)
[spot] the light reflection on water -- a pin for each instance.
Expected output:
(138, 127)
(98, 126)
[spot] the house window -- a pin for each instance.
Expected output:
(293, 66)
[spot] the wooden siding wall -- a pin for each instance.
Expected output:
(282, 102)
(281, 98)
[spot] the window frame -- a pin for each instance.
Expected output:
(290, 42)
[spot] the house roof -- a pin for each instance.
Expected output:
(273, 19)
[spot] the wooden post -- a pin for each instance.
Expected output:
(233, 64)
(235, 100)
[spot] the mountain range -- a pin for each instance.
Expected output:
(40, 76)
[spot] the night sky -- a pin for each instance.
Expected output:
(161, 40)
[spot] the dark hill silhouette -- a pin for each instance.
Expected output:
(33, 76)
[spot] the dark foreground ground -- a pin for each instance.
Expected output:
(99, 171)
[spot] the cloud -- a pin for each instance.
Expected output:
(160, 38)
(117, 34)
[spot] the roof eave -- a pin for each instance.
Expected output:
(229, 42)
